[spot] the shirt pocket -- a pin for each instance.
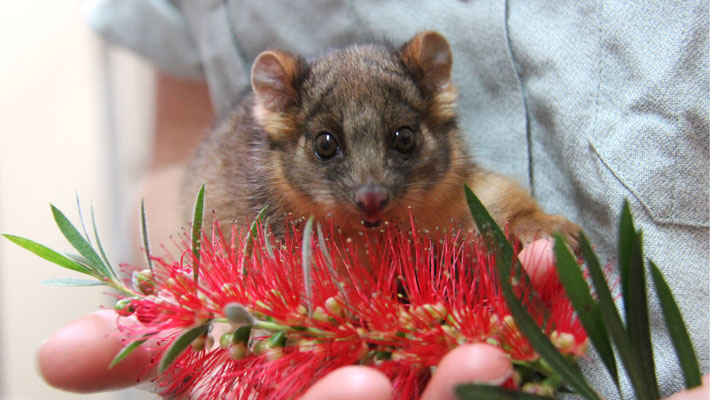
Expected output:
(664, 166)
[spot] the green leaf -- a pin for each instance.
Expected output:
(627, 233)
(277, 339)
(637, 319)
(588, 311)
(128, 349)
(238, 314)
(251, 236)
(242, 334)
(98, 243)
(307, 261)
(48, 254)
(71, 282)
(197, 232)
(144, 236)
(677, 330)
(612, 321)
(81, 218)
(79, 242)
(179, 345)
(496, 240)
(267, 240)
(329, 262)
(477, 392)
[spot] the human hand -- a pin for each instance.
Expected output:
(76, 357)
(699, 393)
(480, 363)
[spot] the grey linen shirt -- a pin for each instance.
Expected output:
(586, 103)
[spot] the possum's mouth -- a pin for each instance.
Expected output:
(371, 220)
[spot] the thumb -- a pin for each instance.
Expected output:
(76, 357)
(479, 363)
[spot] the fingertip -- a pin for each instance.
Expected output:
(77, 356)
(538, 259)
(479, 363)
(351, 383)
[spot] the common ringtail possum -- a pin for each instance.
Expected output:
(362, 135)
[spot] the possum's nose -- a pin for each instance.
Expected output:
(371, 199)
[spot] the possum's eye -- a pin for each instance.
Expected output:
(403, 140)
(325, 146)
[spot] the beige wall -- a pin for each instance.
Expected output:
(56, 123)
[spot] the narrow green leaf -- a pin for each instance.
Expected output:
(128, 349)
(48, 254)
(81, 218)
(477, 392)
(267, 240)
(179, 345)
(71, 282)
(99, 245)
(79, 242)
(277, 339)
(242, 334)
(577, 290)
(238, 314)
(307, 260)
(677, 330)
(329, 262)
(197, 232)
(637, 321)
(627, 233)
(496, 240)
(251, 236)
(612, 321)
(144, 236)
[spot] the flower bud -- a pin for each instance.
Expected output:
(238, 314)
(320, 315)
(209, 342)
(493, 342)
(259, 347)
(225, 340)
(124, 307)
(143, 282)
(333, 306)
(509, 322)
(274, 354)
(563, 341)
(541, 389)
(199, 343)
(237, 351)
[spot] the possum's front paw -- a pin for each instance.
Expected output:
(543, 225)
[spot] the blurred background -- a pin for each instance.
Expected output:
(75, 118)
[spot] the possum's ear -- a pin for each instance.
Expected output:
(274, 78)
(428, 58)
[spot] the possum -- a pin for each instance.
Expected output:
(361, 136)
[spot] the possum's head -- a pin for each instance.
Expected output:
(362, 133)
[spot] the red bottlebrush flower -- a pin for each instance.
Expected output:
(397, 300)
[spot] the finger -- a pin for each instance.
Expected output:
(77, 356)
(698, 393)
(474, 363)
(351, 383)
(538, 259)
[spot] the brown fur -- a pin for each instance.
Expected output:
(264, 155)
